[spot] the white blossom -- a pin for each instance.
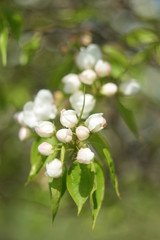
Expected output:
(68, 118)
(64, 135)
(109, 89)
(24, 133)
(82, 133)
(85, 155)
(19, 117)
(102, 68)
(71, 83)
(87, 57)
(95, 122)
(130, 87)
(54, 168)
(45, 129)
(76, 101)
(87, 76)
(41, 109)
(45, 149)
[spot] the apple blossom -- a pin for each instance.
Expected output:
(54, 168)
(76, 101)
(95, 122)
(64, 135)
(45, 129)
(87, 76)
(82, 133)
(87, 57)
(45, 149)
(102, 68)
(85, 155)
(130, 87)
(71, 83)
(109, 89)
(68, 118)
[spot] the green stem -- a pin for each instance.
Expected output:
(80, 116)
(62, 153)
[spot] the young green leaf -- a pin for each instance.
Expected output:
(128, 117)
(80, 183)
(3, 42)
(102, 149)
(57, 187)
(15, 22)
(97, 193)
(37, 160)
(111, 170)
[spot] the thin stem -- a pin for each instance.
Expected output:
(79, 119)
(62, 153)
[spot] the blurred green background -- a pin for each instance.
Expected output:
(38, 60)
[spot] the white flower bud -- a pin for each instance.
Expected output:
(102, 68)
(24, 133)
(68, 118)
(64, 135)
(45, 149)
(19, 117)
(95, 122)
(54, 168)
(85, 155)
(71, 83)
(88, 76)
(76, 101)
(43, 96)
(109, 89)
(45, 129)
(82, 133)
(130, 87)
(87, 57)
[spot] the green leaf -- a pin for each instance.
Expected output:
(111, 170)
(141, 37)
(97, 194)
(57, 187)
(80, 183)
(15, 22)
(158, 53)
(3, 42)
(128, 117)
(38, 160)
(102, 149)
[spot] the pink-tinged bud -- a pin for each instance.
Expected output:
(24, 133)
(19, 118)
(68, 118)
(102, 68)
(82, 133)
(64, 135)
(45, 149)
(45, 129)
(54, 168)
(86, 39)
(109, 89)
(95, 122)
(85, 155)
(88, 76)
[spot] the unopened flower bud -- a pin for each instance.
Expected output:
(71, 83)
(24, 133)
(45, 149)
(54, 168)
(45, 129)
(95, 122)
(130, 87)
(88, 76)
(64, 135)
(109, 89)
(68, 118)
(82, 133)
(86, 39)
(19, 118)
(85, 155)
(102, 68)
